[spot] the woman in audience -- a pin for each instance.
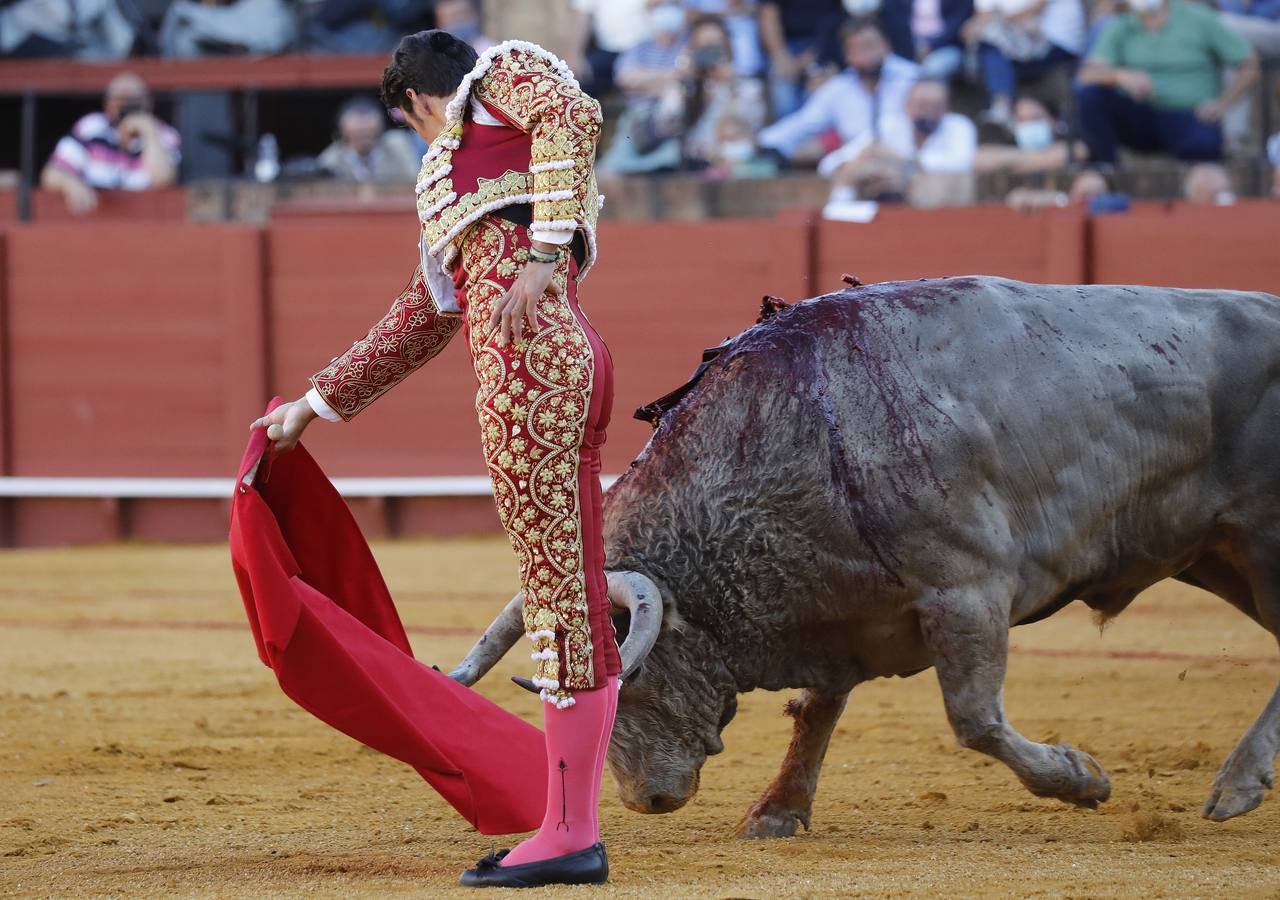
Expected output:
(1039, 144)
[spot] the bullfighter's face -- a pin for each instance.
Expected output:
(670, 715)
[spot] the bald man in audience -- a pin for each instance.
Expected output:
(123, 148)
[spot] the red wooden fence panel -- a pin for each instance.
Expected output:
(132, 347)
(903, 244)
(1234, 247)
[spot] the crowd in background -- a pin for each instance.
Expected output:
(892, 100)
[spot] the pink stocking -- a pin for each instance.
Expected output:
(577, 738)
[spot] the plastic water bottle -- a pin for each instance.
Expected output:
(266, 167)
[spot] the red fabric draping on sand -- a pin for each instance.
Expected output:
(324, 622)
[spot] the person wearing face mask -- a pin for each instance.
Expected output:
(714, 92)
(1037, 145)
(649, 74)
(741, 19)
(874, 84)
(926, 138)
(1153, 82)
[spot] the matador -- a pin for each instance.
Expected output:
(508, 204)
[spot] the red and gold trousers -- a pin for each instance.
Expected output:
(544, 403)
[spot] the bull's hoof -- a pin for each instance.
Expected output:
(771, 820)
(1238, 788)
(1073, 777)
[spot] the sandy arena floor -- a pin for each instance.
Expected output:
(144, 751)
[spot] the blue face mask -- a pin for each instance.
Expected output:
(926, 126)
(1037, 134)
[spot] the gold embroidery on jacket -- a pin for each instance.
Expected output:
(410, 334)
(564, 123)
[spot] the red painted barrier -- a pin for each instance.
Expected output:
(134, 349)
(1234, 247)
(904, 243)
(144, 349)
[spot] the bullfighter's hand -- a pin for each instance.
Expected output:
(520, 303)
(286, 423)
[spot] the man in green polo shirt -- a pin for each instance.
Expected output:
(1154, 83)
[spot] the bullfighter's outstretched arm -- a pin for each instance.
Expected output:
(411, 333)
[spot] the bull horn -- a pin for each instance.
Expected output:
(497, 639)
(637, 593)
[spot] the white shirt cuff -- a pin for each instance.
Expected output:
(320, 408)
(557, 237)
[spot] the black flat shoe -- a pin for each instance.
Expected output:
(589, 866)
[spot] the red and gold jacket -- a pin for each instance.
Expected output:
(543, 155)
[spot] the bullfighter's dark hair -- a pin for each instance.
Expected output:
(430, 62)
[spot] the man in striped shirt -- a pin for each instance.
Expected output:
(124, 148)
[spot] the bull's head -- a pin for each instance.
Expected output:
(676, 697)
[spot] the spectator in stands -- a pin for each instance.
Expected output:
(1208, 184)
(365, 150)
(89, 29)
(1257, 21)
(124, 147)
(741, 18)
(462, 20)
(1022, 40)
(1038, 142)
(602, 31)
(1153, 82)
(926, 137)
(648, 133)
(734, 153)
(714, 91)
(797, 35)
(874, 85)
(362, 26)
(928, 31)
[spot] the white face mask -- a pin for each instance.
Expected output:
(861, 8)
(1145, 6)
(737, 151)
(668, 19)
(1035, 134)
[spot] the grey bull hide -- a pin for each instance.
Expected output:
(886, 479)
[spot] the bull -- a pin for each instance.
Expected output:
(886, 479)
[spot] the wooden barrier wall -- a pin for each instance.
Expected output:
(145, 348)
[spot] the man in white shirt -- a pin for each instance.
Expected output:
(874, 85)
(927, 138)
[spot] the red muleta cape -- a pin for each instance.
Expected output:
(324, 622)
